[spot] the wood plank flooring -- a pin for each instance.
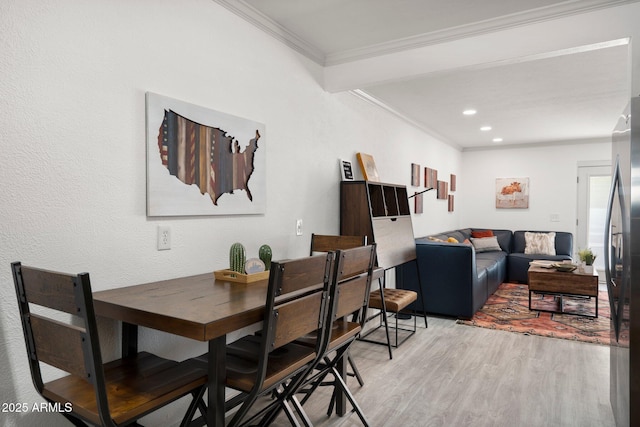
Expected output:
(454, 375)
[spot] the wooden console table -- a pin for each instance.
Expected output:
(550, 281)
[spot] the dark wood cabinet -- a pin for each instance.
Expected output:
(380, 212)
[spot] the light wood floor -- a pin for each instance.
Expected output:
(455, 375)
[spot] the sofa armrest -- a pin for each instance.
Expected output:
(448, 275)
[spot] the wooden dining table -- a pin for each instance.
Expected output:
(197, 307)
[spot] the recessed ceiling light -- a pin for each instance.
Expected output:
(469, 112)
(497, 139)
(485, 128)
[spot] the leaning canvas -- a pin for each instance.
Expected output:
(202, 162)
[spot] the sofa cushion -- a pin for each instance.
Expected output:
(486, 244)
(564, 242)
(478, 234)
(444, 237)
(504, 238)
(540, 243)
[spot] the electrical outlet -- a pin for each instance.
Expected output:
(299, 227)
(164, 237)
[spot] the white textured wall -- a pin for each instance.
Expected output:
(73, 75)
(552, 173)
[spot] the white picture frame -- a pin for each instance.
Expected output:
(346, 170)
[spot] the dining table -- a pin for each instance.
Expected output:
(198, 307)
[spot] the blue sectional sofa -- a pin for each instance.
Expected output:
(457, 278)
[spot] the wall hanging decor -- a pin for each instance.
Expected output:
(346, 170)
(450, 208)
(201, 161)
(430, 178)
(368, 166)
(415, 174)
(443, 190)
(452, 183)
(512, 193)
(419, 203)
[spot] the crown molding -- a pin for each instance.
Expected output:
(373, 100)
(266, 24)
(547, 13)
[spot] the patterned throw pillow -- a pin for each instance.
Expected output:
(540, 243)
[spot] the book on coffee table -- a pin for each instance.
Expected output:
(543, 263)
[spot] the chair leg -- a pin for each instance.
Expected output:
(424, 307)
(356, 373)
(75, 421)
(301, 413)
(196, 403)
(243, 410)
(340, 383)
(384, 315)
(290, 415)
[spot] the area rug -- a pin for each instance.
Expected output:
(508, 310)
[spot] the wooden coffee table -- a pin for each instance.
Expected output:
(549, 281)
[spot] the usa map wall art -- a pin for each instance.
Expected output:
(202, 162)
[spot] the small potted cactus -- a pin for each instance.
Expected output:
(237, 257)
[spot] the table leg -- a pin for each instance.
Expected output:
(129, 339)
(217, 379)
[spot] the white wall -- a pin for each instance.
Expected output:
(552, 173)
(73, 75)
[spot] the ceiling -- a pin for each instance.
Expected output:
(524, 65)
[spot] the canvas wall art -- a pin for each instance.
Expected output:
(419, 203)
(202, 161)
(368, 167)
(415, 174)
(430, 178)
(512, 193)
(442, 190)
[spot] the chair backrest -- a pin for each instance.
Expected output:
(71, 345)
(328, 243)
(296, 305)
(352, 277)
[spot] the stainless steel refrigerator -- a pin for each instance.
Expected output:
(622, 267)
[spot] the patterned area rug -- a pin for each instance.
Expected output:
(508, 310)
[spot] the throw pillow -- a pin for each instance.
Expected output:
(486, 244)
(452, 240)
(540, 243)
(481, 233)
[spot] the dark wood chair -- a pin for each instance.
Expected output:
(387, 300)
(332, 243)
(269, 362)
(328, 243)
(114, 394)
(352, 278)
